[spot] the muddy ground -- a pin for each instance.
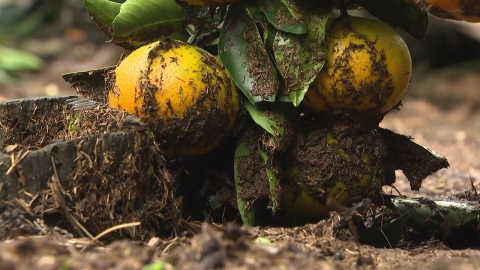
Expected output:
(452, 131)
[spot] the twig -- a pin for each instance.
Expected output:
(117, 227)
(16, 162)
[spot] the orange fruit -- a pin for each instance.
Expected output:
(183, 92)
(463, 10)
(367, 68)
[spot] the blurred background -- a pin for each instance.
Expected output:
(41, 39)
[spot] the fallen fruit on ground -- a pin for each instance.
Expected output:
(367, 68)
(183, 92)
(331, 168)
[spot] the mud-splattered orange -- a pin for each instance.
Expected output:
(367, 68)
(183, 92)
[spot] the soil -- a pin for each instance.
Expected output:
(453, 133)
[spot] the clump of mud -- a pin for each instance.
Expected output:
(337, 158)
(350, 162)
(87, 167)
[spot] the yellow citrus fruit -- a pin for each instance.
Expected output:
(184, 93)
(303, 204)
(367, 68)
(332, 187)
(210, 3)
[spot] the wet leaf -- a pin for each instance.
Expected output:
(416, 161)
(437, 214)
(387, 236)
(269, 120)
(243, 53)
(103, 12)
(248, 216)
(283, 18)
(293, 9)
(272, 180)
(399, 13)
(140, 22)
(300, 58)
(266, 29)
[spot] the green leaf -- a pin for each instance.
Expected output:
(257, 15)
(293, 9)
(300, 58)
(102, 11)
(143, 21)
(159, 265)
(16, 60)
(248, 216)
(425, 212)
(387, 236)
(243, 53)
(269, 120)
(272, 180)
(399, 13)
(283, 18)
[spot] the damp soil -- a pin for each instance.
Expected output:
(208, 240)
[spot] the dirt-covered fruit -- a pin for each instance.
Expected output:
(184, 93)
(367, 68)
(330, 169)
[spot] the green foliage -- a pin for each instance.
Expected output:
(270, 120)
(272, 48)
(135, 23)
(300, 58)
(282, 18)
(247, 212)
(242, 51)
(13, 60)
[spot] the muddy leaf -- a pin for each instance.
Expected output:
(248, 216)
(140, 22)
(272, 179)
(283, 18)
(416, 161)
(293, 9)
(300, 58)
(387, 236)
(90, 83)
(266, 29)
(399, 13)
(103, 12)
(437, 214)
(269, 120)
(243, 53)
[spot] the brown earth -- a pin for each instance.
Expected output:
(453, 133)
